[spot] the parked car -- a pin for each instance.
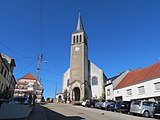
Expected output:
(84, 103)
(143, 107)
(93, 102)
(19, 100)
(107, 104)
(157, 111)
(125, 107)
(88, 104)
(99, 104)
(115, 106)
(2, 98)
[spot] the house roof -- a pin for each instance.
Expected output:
(29, 76)
(140, 75)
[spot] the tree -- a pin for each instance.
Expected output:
(103, 93)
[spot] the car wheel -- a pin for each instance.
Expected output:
(108, 108)
(146, 114)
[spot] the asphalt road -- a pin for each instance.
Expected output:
(56, 111)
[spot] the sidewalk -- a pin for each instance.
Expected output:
(14, 111)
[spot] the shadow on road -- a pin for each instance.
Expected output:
(52, 115)
(42, 113)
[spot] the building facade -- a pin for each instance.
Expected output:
(111, 83)
(83, 79)
(141, 83)
(28, 85)
(7, 79)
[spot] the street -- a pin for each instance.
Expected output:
(57, 111)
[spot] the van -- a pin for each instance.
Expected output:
(142, 107)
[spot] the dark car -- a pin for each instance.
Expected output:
(106, 104)
(2, 98)
(157, 111)
(115, 106)
(99, 104)
(125, 106)
(19, 100)
(93, 102)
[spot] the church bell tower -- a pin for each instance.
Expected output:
(79, 63)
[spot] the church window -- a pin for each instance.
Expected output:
(73, 39)
(94, 80)
(77, 38)
(80, 39)
(68, 82)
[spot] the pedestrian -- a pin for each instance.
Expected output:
(30, 99)
(65, 99)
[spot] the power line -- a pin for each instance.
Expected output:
(41, 42)
(58, 66)
(29, 65)
(51, 72)
(20, 59)
(13, 51)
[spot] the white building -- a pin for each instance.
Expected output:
(111, 83)
(28, 84)
(83, 79)
(140, 84)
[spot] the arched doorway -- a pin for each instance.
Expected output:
(76, 94)
(60, 98)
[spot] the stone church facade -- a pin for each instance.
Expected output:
(83, 79)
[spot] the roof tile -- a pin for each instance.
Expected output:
(29, 76)
(139, 75)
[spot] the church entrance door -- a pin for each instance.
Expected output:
(60, 98)
(76, 94)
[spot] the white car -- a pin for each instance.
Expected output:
(84, 103)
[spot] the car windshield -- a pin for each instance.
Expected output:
(136, 102)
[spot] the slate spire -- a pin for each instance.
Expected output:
(79, 24)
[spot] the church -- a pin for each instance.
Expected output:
(83, 79)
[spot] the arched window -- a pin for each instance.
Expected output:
(80, 39)
(77, 38)
(94, 80)
(68, 82)
(73, 39)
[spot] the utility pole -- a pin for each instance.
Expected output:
(38, 67)
(37, 72)
(55, 89)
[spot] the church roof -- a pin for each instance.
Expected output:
(140, 75)
(79, 27)
(79, 24)
(29, 76)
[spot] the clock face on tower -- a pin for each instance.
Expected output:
(76, 48)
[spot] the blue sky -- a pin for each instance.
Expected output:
(123, 34)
